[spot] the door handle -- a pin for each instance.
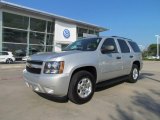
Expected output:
(118, 57)
(131, 56)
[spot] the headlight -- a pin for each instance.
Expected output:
(54, 67)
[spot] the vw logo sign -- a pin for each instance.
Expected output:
(66, 33)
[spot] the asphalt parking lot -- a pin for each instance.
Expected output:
(123, 101)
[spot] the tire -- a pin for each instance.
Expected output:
(133, 77)
(9, 61)
(82, 87)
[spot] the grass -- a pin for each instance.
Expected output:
(146, 59)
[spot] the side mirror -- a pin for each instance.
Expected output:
(108, 49)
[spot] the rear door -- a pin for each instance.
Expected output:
(110, 62)
(127, 56)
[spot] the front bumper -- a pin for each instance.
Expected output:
(55, 84)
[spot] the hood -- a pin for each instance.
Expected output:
(51, 55)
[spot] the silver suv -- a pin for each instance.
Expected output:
(76, 71)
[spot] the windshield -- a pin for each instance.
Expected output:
(89, 44)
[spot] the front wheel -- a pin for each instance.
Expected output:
(9, 61)
(133, 77)
(82, 87)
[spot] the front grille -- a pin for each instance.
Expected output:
(35, 62)
(33, 70)
(34, 66)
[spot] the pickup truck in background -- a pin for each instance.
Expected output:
(75, 71)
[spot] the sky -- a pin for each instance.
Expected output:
(138, 20)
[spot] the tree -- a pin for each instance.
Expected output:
(144, 53)
(152, 50)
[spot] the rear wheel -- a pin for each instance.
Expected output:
(9, 61)
(82, 87)
(133, 77)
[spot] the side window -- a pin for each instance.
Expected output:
(4, 53)
(134, 46)
(109, 41)
(123, 46)
(0, 53)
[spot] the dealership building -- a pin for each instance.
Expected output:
(25, 31)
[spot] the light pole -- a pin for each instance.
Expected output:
(157, 46)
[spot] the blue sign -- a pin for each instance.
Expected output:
(66, 33)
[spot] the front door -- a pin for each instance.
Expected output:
(110, 63)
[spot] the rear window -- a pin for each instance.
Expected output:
(134, 46)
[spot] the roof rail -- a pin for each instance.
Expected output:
(121, 37)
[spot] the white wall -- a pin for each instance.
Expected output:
(59, 37)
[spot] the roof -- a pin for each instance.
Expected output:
(4, 4)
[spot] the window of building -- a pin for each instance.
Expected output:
(50, 27)
(36, 38)
(19, 50)
(123, 46)
(91, 31)
(81, 31)
(17, 30)
(109, 41)
(97, 33)
(63, 46)
(134, 46)
(15, 36)
(49, 40)
(15, 21)
(33, 49)
(49, 48)
(37, 25)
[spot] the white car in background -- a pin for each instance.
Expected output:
(7, 57)
(25, 58)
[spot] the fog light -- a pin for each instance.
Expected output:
(49, 91)
(36, 89)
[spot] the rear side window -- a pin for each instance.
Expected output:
(123, 46)
(4, 53)
(134, 46)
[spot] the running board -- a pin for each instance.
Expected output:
(111, 82)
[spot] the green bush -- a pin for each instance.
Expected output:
(151, 59)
